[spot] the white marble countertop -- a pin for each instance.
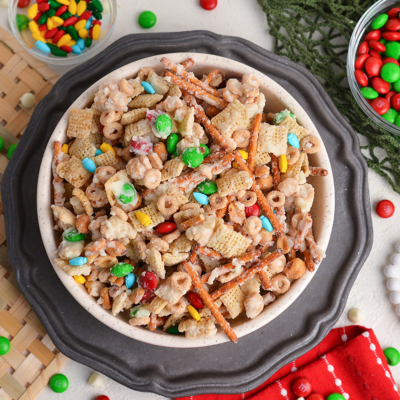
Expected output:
(245, 19)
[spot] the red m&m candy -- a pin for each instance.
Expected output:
(361, 77)
(380, 105)
(102, 397)
(373, 66)
(166, 227)
(209, 4)
(301, 387)
(394, 12)
(252, 210)
(385, 208)
(389, 96)
(380, 85)
(315, 396)
(373, 35)
(393, 24)
(359, 64)
(377, 46)
(195, 300)
(390, 60)
(148, 281)
(374, 53)
(363, 49)
(391, 36)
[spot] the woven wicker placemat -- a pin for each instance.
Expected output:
(26, 369)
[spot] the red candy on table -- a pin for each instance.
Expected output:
(389, 96)
(391, 36)
(208, 4)
(374, 53)
(385, 208)
(377, 46)
(301, 387)
(166, 227)
(23, 3)
(380, 105)
(102, 397)
(315, 396)
(390, 60)
(393, 24)
(380, 85)
(359, 64)
(395, 102)
(373, 35)
(363, 49)
(255, 208)
(195, 300)
(148, 281)
(373, 66)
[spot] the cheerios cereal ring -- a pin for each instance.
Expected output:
(292, 155)
(249, 198)
(107, 117)
(217, 202)
(252, 225)
(167, 205)
(276, 198)
(152, 178)
(311, 144)
(103, 174)
(113, 131)
(280, 284)
(241, 137)
(96, 195)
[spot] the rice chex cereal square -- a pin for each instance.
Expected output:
(79, 123)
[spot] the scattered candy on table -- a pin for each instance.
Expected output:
(301, 387)
(1, 143)
(392, 356)
(102, 397)
(10, 150)
(59, 383)
(385, 208)
(4, 345)
(315, 396)
(147, 19)
(96, 380)
(208, 4)
(356, 315)
(335, 396)
(27, 100)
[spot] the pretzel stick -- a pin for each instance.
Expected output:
(58, 182)
(313, 247)
(206, 251)
(308, 260)
(188, 63)
(202, 117)
(251, 162)
(192, 222)
(214, 157)
(318, 171)
(197, 91)
(192, 257)
(178, 70)
(247, 274)
(280, 215)
(211, 76)
(188, 267)
(222, 211)
(260, 196)
(276, 174)
(265, 281)
(302, 229)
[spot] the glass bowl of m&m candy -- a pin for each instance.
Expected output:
(373, 66)
(62, 32)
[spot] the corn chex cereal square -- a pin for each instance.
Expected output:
(138, 128)
(68, 190)
(156, 305)
(234, 301)
(73, 172)
(156, 263)
(106, 159)
(173, 259)
(82, 148)
(151, 211)
(174, 91)
(262, 159)
(232, 183)
(183, 216)
(294, 127)
(293, 171)
(177, 194)
(180, 245)
(272, 139)
(228, 242)
(145, 100)
(133, 116)
(232, 118)
(96, 138)
(172, 169)
(79, 123)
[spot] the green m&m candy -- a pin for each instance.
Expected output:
(4, 345)
(369, 93)
(11, 150)
(207, 151)
(379, 21)
(59, 383)
(163, 125)
(74, 236)
(397, 121)
(383, 41)
(128, 193)
(172, 141)
(22, 22)
(335, 396)
(396, 86)
(1, 143)
(391, 115)
(392, 356)
(173, 330)
(207, 187)
(390, 72)
(192, 157)
(392, 50)
(147, 19)
(122, 269)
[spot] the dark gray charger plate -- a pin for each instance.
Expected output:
(225, 368)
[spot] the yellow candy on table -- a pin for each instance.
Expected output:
(50, 24)
(72, 7)
(143, 218)
(37, 37)
(80, 279)
(33, 26)
(57, 21)
(194, 313)
(283, 163)
(96, 32)
(64, 2)
(80, 24)
(81, 8)
(32, 11)
(71, 43)
(83, 33)
(106, 147)
(244, 154)
(64, 148)
(64, 40)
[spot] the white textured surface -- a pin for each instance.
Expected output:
(369, 292)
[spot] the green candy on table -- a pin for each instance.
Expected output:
(207, 150)
(392, 356)
(59, 383)
(379, 21)
(392, 50)
(97, 5)
(147, 19)
(192, 157)
(88, 42)
(207, 187)
(122, 269)
(4, 345)
(390, 72)
(22, 22)
(1, 144)
(11, 150)
(335, 396)
(172, 141)
(391, 115)
(369, 93)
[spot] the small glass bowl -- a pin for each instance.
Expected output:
(364, 24)
(26, 40)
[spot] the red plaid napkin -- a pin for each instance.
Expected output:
(349, 361)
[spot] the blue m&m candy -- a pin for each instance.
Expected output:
(201, 198)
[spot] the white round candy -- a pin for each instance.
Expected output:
(96, 380)
(27, 100)
(395, 259)
(398, 310)
(395, 297)
(355, 315)
(397, 246)
(391, 271)
(393, 284)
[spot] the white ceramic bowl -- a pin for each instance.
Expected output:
(322, 211)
